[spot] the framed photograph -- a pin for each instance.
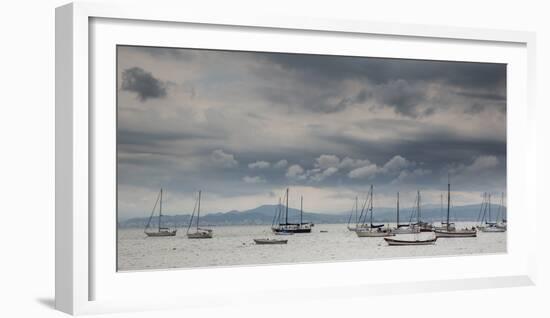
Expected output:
(238, 155)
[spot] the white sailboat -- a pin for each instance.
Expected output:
(198, 233)
(372, 230)
(486, 225)
(353, 210)
(161, 231)
(406, 228)
(449, 232)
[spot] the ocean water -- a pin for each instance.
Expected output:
(234, 245)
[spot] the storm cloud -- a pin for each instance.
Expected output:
(143, 83)
(243, 126)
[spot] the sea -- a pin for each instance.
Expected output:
(234, 246)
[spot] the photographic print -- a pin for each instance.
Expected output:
(228, 158)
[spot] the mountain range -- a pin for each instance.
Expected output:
(265, 214)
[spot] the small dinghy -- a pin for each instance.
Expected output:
(268, 241)
(401, 242)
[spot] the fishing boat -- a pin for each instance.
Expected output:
(405, 228)
(269, 241)
(402, 242)
(371, 229)
(160, 231)
(283, 228)
(198, 233)
(449, 232)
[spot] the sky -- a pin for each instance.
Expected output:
(243, 126)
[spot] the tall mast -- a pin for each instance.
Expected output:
(356, 208)
(448, 200)
(371, 203)
(489, 202)
(441, 208)
(301, 208)
(397, 209)
(160, 209)
(418, 207)
(286, 213)
(199, 210)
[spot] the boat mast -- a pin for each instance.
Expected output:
(397, 209)
(418, 207)
(356, 208)
(160, 208)
(371, 204)
(199, 210)
(489, 202)
(301, 208)
(448, 200)
(286, 213)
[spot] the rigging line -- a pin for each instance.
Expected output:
(152, 213)
(363, 209)
(192, 215)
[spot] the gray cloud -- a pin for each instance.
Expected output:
(143, 83)
(256, 123)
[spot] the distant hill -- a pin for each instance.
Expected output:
(264, 215)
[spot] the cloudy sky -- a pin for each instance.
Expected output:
(242, 126)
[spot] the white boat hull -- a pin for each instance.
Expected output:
(457, 233)
(492, 229)
(161, 233)
(373, 233)
(406, 230)
(200, 235)
(269, 241)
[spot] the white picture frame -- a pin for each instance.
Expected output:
(84, 285)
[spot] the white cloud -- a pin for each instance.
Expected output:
(349, 163)
(396, 164)
(222, 159)
(295, 171)
(364, 172)
(327, 161)
(254, 179)
(281, 164)
(482, 163)
(259, 165)
(324, 174)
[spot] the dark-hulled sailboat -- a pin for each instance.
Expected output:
(160, 231)
(288, 227)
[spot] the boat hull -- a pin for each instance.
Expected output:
(161, 233)
(459, 233)
(492, 230)
(373, 233)
(397, 242)
(269, 242)
(291, 230)
(406, 231)
(200, 235)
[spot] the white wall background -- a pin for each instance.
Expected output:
(27, 155)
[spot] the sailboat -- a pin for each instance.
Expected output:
(353, 210)
(161, 231)
(453, 232)
(486, 225)
(287, 227)
(199, 233)
(443, 224)
(372, 230)
(277, 221)
(501, 210)
(404, 228)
